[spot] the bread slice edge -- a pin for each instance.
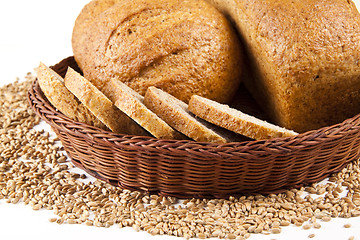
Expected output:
(235, 120)
(54, 89)
(100, 105)
(174, 112)
(132, 104)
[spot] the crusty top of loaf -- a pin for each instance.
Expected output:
(314, 47)
(184, 47)
(298, 34)
(83, 23)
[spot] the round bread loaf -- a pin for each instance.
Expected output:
(182, 47)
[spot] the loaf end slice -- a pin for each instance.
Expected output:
(62, 99)
(100, 105)
(132, 103)
(175, 112)
(235, 120)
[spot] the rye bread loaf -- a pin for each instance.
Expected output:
(304, 57)
(234, 120)
(100, 105)
(175, 112)
(52, 85)
(184, 47)
(131, 103)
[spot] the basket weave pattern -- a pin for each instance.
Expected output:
(194, 169)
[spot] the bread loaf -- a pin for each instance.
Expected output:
(184, 47)
(131, 103)
(82, 26)
(304, 57)
(224, 116)
(62, 99)
(101, 106)
(175, 112)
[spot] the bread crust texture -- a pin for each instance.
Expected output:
(182, 47)
(303, 56)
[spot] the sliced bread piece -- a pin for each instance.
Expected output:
(234, 120)
(175, 113)
(131, 103)
(100, 105)
(62, 99)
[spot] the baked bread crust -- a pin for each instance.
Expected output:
(131, 103)
(82, 26)
(183, 47)
(304, 58)
(234, 120)
(62, 99)
(100, 105)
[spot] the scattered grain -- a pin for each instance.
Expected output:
(316, 225)
(285, 223)
(276, 230)
(347, 225)
(201, 235)
(60, 221)
(72, 221)
(35, 170)
(89, 223)
(306, 226)
(36, 207)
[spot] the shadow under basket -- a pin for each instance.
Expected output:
(187, 169)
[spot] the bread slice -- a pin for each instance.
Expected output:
(234, 120)
(100, 105)
(175, 112)
(62, 99)
(131, 103)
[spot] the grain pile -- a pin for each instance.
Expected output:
(35, 171)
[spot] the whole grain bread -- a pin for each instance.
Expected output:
(52, 85)
(175, 112)
(183, 47)
(82, 26)
(304, 58)
(234, 120)
(100, 105)
(131, 103)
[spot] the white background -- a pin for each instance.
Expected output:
(40, 30)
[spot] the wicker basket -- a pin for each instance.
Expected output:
(201, 170)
